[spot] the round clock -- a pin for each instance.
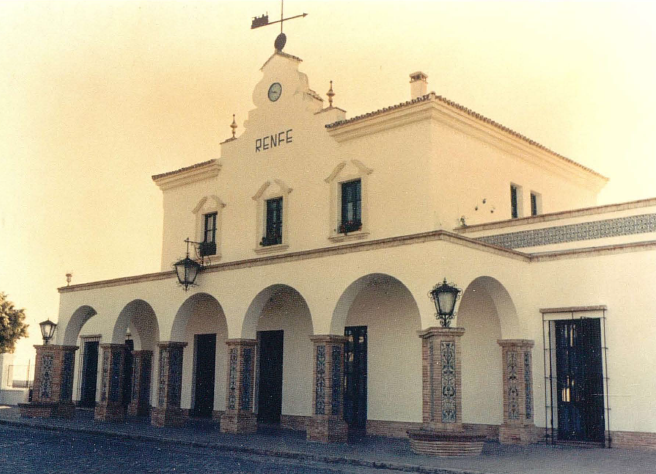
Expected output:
(275, 91)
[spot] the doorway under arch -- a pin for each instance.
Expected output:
(280, 319)
(383, 383)
(201, 323)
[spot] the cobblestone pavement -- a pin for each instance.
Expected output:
(25, 450)
(280, 447)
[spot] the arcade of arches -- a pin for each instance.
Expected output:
(375, 373)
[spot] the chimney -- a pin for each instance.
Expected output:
(418, 85)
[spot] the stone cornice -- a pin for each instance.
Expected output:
(391, 242)
(574, 309)
(554, 216)
(198, 172)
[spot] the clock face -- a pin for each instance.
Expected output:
(275, 91)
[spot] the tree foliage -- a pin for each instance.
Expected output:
(12, 324)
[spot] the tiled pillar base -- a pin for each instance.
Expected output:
(111, 406)
(53, 383)
(169, 388)
(442, 433)
(239, 416)
(327, 424)
(141, 376)
(518, 426)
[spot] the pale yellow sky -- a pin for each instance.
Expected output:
(96, 96)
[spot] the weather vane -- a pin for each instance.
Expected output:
(263, 20)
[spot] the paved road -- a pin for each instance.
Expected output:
(25, 450)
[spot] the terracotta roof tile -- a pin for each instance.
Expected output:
(182, 170)
(437, 98)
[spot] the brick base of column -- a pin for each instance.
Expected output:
(239, 423)
(47, 410)
(515, 434)
(111, 411)
(162, 417)
(327, 429)
(137, 409)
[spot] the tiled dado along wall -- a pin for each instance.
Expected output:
(574, 232)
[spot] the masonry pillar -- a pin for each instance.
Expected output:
(53, 383)
(442, 378)
(518, 426)
(239, 416)
(141, 377)
(111, 406)
(442, 433)
(169, 386)
(327, 423)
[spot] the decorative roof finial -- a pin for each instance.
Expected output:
(233, 126)
(330, 94)
(69, 277)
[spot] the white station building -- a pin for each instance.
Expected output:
(322, 235)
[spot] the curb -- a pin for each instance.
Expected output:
(296, 455)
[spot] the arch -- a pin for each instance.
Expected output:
(254, 311)
(140, 318)
(502, 301)
(186, 310)
(74, 326)
(351, 292)
(487, 313)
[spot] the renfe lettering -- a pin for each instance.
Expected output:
(273, 141)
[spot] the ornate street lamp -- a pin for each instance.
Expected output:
(47, 330)
(187, 269)
(444, 296)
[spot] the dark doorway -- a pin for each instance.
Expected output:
(355, 379)
(205, 357)
(89, 374)
(270, 385)
(127, 372)
(579, 380)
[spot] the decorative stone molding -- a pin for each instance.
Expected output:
(53, 383)
(208, 205)
(239, 416)
(141, 381)
(265, 192)
(518, 409)
(342, 174)
(327, 423)
(169, 387)
(110, 407)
